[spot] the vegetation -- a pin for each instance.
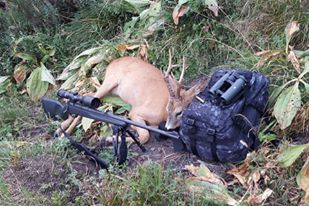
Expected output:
(47, 44)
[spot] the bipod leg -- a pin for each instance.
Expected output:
(123, 149)
(86, 151)
(120, 149)
(133, 136)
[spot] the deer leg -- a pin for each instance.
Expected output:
(143, 134)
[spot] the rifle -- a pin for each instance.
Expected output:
(86, 106)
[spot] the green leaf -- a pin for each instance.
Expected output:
(274, 95)
(36, 88)
(289, 155)
(46, 76)
(267, 137)
(287, 105)
(70, 82)
(301, 54)
(135, 6)
(115, 101)
(4, 83)
(86, 123)
(26, 57)
(88, 52)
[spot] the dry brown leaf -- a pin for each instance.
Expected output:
(179, 11)
(303, 181)
(95, 82)
(256, 176)
(241, 173)
(20, 73)
(257, 200)
(266, 56)
(126, 47)
(290, 29)
(143, 52)
(293, 59)
(204, 174)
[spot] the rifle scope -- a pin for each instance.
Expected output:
(87, 101)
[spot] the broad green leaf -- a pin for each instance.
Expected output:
(4, 82)
(46, 76)
(36, 88)
(26, 57)
(267, 137)
(287, 105)
(88, 52)
(92, 61)
(116, 101)
(290, 154)
(302, 180)
(274, 95)
(208, 185)
(105, 131)
(86, 123)
(301, 54)
(70, 82)
(135, 6)
(129, 26)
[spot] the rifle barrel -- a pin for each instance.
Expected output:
(74, 108)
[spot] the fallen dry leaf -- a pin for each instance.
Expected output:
(290, 29)
(266, 56)
(203, 173)
(143, 52)
(293, 59)
(257, 200)
(213, 6)
(208, 185)
(256, 176)
(20, 73)
(241, 173)
(179, 11)
(303, 181)
(95, 82)
(126, 47)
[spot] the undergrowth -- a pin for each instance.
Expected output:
(231, 39)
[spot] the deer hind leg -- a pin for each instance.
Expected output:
(143, 134)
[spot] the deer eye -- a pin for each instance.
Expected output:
(178, 114)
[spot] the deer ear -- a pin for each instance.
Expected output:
(195, 90)
(173, 86)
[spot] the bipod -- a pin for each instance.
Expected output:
(121, 149)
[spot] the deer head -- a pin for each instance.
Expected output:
(179, 98)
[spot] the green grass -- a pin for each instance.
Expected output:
(241, 29)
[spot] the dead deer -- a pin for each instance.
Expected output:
(155, 97)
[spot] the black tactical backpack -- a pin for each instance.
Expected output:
(221, 122)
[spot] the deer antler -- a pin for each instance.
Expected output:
(170, 65)
(184, 67)
(172, 85)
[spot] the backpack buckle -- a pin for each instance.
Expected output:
(211, 132)
(190, 122)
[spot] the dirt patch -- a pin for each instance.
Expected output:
(43, 174)
(163, 152)
(32, 133)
